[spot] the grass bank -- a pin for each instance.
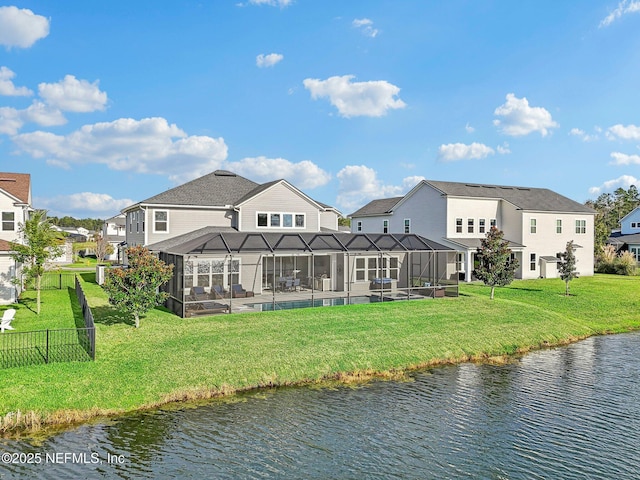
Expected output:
(170, 359)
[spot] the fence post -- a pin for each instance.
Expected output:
(46, 358)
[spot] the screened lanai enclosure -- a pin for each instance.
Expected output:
(233, 272)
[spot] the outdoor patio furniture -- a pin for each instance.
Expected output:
(198, 294)
(296, 284)
(238, 292)
(288, 286)
(7, 317)
(206, 308)
(218, 292)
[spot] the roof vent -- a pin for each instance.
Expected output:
(524, 189)
(7, 179)
(224, 173)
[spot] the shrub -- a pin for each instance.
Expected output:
(626, 263)
(606, 260)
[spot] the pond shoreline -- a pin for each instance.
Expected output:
(17, 425)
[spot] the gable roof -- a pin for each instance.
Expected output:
(632, 212)
(377, 207)
(218, 188)
(525, 198)
(17, 184)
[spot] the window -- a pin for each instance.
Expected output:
(581, 226)
(8, 221)
(494, 223)
(558, 225)
(533, 225)
(161, 221)
(460, 262)
(636, 252)
(458, 225)
(368, 268)
(358, 226)
(532, 262)
(207, 273)
(407, 225)
(280, 220)
(385, 226)
(481, 225)
(470, 225)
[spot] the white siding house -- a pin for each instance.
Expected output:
(15, 208)
(538, 223)
(628, 238)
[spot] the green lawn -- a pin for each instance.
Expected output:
(172, 358)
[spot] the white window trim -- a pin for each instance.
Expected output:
(460, 224)
(407, 225)
(581, 224)
(385, 226)
(471, 226)
(533, 225)
(154, 221)
(533, 260)
(558, 225)
(386, 271)
(13, 222)
(359, 226)
(482, 225)
(281, 226)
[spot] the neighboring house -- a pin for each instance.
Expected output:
(628, 238)
(15, 208)
(114, 231)
(537, 222)
(223, 230)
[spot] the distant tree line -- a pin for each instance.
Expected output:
(70, 222)
(610, 209)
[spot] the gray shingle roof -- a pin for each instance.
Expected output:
(619, 240)
(377, 207)
(219, 188)
(167, 245)
(476, 242)
(526, 198)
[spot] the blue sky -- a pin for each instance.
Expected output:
(109, 103)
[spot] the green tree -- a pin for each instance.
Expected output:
(496, 267)
(568, 266)
(41, 243)
(135, 289)
(344, 222)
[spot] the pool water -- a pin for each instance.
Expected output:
(316, 302)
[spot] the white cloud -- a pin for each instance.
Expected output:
(624, 181)
(8, 88)
(469, 128)
(624, 159)
(365, 25)
(584, 136)
(303, 175)
(272, 3)
(268, 60)
(359, 184)
(73, 95)
(43, 115)
(630, 132)
(518, 118)
(624, 7)
(21, 27)
(149, 145)
(90, 204)
(503, 149)
(452, 152)
(10, 120)
(352, 99)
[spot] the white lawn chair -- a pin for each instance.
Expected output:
(7, 317)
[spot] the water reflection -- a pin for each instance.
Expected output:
(572, 412)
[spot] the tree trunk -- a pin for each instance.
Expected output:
(38, 283)
(137, 319)
(566, 290)
(493, 288)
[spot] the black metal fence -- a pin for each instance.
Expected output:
(54, 281)
(46, 346)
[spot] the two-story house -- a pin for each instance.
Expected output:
(114, 230)
(15, 208)
(537, 222)
(628, 238)
(222, 230)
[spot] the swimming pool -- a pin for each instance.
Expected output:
(316, 302)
